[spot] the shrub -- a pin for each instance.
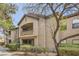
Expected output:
(69, 51)
(69, 45)
(45, 50)
(25, 47)
(33, 48)
(12, 47)
(38, 49)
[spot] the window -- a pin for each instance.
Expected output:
(9, 32)
(75, 23)
(63, 25)
(28, 41)
(9, 41)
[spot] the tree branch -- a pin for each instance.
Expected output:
(71, 36)
(58, 6)
(57, 27)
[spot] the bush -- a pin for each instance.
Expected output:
(12, 47)
(38, 49)
(25, 47)
(69, 45)
(32, 48)
(45, 50)
(69, 51)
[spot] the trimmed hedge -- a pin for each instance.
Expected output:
(69, 51)
(29, 48)
(69, 45)
(12, 47)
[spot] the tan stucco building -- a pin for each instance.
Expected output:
(72, 28)
(36, 29)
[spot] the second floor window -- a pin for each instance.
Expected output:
(75, 23)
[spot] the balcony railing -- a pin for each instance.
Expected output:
(27, 32)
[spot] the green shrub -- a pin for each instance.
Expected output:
(69, 51)
(12, 47)
(38, 49)
(33, 48)
(25, 47)
(69, 45)
(45, 50)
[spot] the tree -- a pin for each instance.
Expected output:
(6, 10)
(58, 10)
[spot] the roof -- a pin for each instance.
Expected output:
(22, 19)
(31, 15)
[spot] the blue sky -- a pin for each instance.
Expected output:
(19, 13)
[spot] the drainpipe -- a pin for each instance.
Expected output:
(18, 38)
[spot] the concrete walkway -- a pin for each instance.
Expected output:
(4, 52)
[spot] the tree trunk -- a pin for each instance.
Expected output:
(56, 47)
(57, 28)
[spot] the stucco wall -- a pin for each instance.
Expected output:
(42, 29)
(27, 20)
(70, 31)
(41, 34)
(14, 34)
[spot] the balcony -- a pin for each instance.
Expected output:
(27, 29)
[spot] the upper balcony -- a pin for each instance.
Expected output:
(27, 29)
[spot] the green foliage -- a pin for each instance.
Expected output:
(12, 47)
(69, 49)
(63, 25)
(7, 24)
(25, 47)
(69, 45)
(6, 10)
(33, 48)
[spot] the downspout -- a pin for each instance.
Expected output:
(18, 38)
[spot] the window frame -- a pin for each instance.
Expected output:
(76, 24)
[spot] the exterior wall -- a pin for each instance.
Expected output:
(50, 28)
(35, 31)
(42, 31)
(70, 30)
(14, 35)
(27, 20)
